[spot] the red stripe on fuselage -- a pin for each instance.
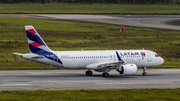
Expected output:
(31, 31)
(35, 44)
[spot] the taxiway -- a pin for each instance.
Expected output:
(76, 79)
(157, 22)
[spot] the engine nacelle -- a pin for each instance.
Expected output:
(128, 69)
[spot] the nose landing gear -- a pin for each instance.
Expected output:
(144, 71)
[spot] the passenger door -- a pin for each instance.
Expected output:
(149, 59)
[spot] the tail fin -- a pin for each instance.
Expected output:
(35, 42)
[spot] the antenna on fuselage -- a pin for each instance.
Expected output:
(81, 49)
(143, 48)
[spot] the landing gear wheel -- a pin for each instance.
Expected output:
(145, 74)
(105, 75)
(89, 73)
(144, 71)
(102, 74)
(86, 72)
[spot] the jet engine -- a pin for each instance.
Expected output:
(127, 69)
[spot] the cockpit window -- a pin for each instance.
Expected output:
(156, 55)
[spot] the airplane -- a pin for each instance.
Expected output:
(123, 61)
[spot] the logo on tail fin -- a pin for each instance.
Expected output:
(38, 46)
(35, 41)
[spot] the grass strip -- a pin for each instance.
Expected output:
(88, 9)
(93, 95)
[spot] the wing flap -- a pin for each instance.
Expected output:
(102, 65)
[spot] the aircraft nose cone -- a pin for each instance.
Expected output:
(161, 61)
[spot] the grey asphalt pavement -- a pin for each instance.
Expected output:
(76, 79)
(157, 22)
(160, 22)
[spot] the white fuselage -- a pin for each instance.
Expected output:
(80, 59)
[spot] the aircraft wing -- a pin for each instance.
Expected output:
(106, 64)
(102, 65)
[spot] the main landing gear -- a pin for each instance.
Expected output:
(89, 73)
(105, 75)
(144, 71)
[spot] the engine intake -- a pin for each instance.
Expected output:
(128, 69)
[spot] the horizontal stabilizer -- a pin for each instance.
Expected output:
(18, 54)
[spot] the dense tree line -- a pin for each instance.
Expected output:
(93, 1)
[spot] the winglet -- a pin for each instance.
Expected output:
(118, 56)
